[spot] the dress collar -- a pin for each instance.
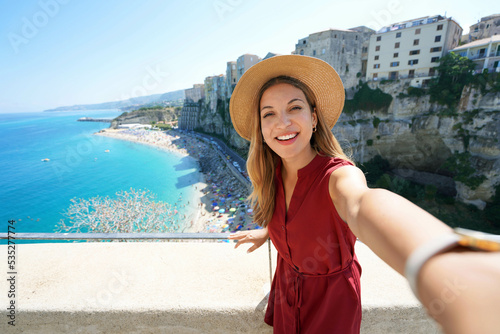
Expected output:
(310, 167)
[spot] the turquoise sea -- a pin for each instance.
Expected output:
(36, 193)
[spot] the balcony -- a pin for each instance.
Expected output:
(177, 287)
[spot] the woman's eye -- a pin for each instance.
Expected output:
(267, 114)
(296, 108)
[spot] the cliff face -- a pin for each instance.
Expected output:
(417, 137)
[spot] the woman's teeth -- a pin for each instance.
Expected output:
(287, 137)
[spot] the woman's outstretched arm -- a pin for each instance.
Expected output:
(460, 288)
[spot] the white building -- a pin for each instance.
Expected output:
(411, 49)
(484, 52)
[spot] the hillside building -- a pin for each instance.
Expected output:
(484, 52)
(231, 77)
(487, 27)
(192, 106)
(344, 50)
(244, 62)
(411, 49)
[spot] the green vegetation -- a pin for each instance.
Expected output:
(368, 99)
(460, 167)
(453, 213)
(487, 82)
(455, 72)
(413, 92)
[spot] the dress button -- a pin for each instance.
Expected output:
(282, 227)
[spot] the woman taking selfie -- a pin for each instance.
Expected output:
(313, 202)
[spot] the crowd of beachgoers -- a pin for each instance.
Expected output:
(221, 197)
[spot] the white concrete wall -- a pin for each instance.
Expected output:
(174, 287)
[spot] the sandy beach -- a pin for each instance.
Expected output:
(219, 204)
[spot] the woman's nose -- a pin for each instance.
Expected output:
(284, 120)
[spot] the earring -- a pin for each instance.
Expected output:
(314, 129)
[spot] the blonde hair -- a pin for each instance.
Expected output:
(262, 161)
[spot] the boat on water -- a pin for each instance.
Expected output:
(45, 160)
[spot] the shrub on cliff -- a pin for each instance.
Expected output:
(368, 99)
(454, 73)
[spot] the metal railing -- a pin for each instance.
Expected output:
(113, 236)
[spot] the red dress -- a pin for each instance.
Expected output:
(316, 286)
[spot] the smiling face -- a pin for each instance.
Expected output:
(287, 122)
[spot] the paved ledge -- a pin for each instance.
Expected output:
(170, 287)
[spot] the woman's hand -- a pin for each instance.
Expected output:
(256, 237)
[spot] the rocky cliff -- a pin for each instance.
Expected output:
(417, 137)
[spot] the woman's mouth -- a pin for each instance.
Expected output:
(287, 137)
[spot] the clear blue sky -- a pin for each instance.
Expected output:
(65, 52)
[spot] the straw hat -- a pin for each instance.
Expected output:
(318, 75)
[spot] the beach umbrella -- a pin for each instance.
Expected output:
(214, 203)
(241, 199)
(228, 195)
(222, 210)
(249, 210)
(216, 208)
(232, 209)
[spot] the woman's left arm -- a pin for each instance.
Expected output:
(389, 224)
(466, 283)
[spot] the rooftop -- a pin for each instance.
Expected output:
(479, 42)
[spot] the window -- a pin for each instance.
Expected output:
(437, 38)
(356, 37)
(376, 58)
(379, 38)
(396, 45)
(376, 66)
(393, 75)
(417, 31)
(413, 62)
(304, 42)
(411, 74)
(416, 41)
(495, 64)
(432, 71)
(438, 49)
(335, 36)
(414, 52)
(364, 50)
(440, 27)
(314, 52)
(435, 60)
(302, 52)
(377, 48)
(396, 54)
(375, 76)
(398, 35)
(395, 64)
